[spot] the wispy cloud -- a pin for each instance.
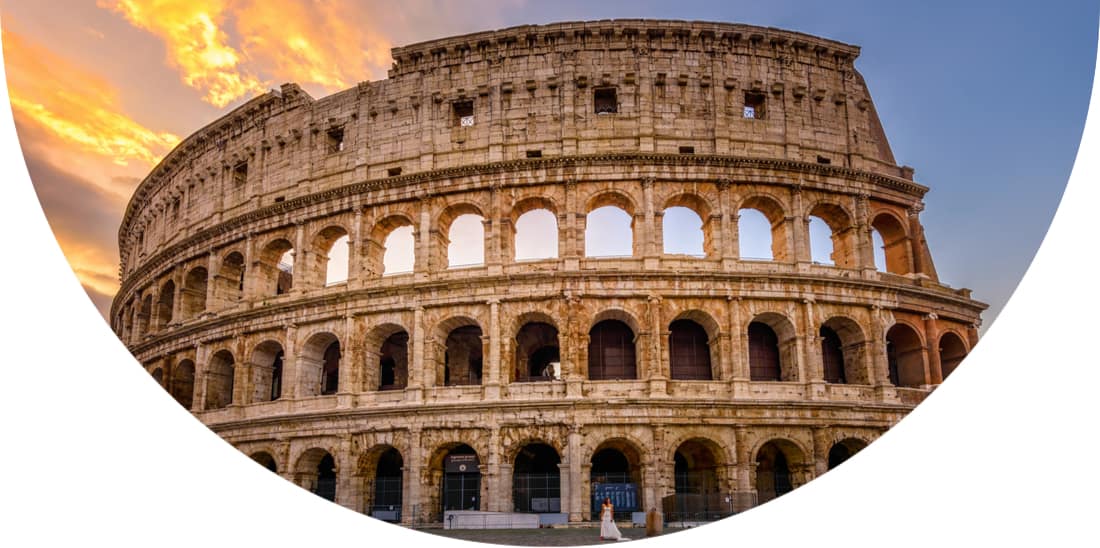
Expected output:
(76, 106)
(198, 46)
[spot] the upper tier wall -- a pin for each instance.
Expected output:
(532, 91)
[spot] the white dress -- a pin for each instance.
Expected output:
(608, 530)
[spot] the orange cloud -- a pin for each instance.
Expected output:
(75, 106)
(197, 45)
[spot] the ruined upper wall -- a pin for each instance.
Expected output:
(677, 87)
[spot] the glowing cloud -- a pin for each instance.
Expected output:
(197, 46)
(75, 106)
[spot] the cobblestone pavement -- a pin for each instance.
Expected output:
(539, 537)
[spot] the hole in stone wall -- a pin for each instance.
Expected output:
(606, 101)
(534, 154)
(754, 105)
(687, 150)
(393, 171)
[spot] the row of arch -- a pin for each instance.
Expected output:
(458, 239)
(847, 356)
(702, 476)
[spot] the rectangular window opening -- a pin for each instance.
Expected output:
(393, 171)
(464, 113)
(240, 173)
(687, 150)
(335, 140)
(754, 105)
(534, 154)
(606, 101)
(280, 199)
(823, 160)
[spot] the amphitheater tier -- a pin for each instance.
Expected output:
(713, 360)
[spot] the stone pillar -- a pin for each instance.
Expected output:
(412, 507)
(571, 238)
(799, 233)
(249, 290)
(663, 482)
(242, 374)
(198, 400)
(739, 382)
(302, 276)
(177, 307)
(916, 236)
(814, 368)
(291, 367)
(657, 368)
(645, 243)
(212, 271)
(422, 264)
(728, 226)
(496, 500)
(417, 374)
(346, 493)
(351, 366)
(575, 505)
(493, 255)
(492, 380)
(821, 450)
(865, 246)
(355, 249)
(931, 335)
(745, 492)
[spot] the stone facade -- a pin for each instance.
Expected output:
(326, 382)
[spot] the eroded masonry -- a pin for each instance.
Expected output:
(700, 383)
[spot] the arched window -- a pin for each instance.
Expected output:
(688, 351)
(832, 356)
(461, 479)
(326, 478)
(182, 386)
(537, 354)
(337, 267)
(611, 351)
(952, 351)
(387, 486)
(682, 229)
(194, 293)
(763, 353)
(536, 235)
(400, 254)
(536, 479)
(754, 235)
(895, 243)
(616, 472)
(229, 288)
(695, 475)
(267, 364)
(330, 374)
(393, 362)
(463, 356)
(905, 356)
(608, 232)
(277, 376)
(821, 241)
(276, 269)
(879, 250)
(165, 302)
(466, 238)
(219, 383)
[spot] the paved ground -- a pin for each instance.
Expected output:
(539, 537)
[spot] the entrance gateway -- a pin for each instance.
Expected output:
(461, 481)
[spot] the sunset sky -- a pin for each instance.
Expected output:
(987, 102)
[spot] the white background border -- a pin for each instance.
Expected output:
(94, 453)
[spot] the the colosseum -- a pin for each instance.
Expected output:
(701, 383)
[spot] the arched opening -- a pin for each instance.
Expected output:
(536, 235)
(609, 232)
(536, 479)
(844, 450)
(696, 477)
(165, 303)
(193, 296)
(846, 347)
(229, 283)
(393, 362)
(386, 503)
(267, 371)
(183, 383)
(219, 380)
(905, 357)
(821, 241)
(763, 353)
(158, 376)
(263, 458)
(878, 250)
(276, 269)
(832, 356)
(331, 255)
(320, 365)
(316, 472)
(461, 479)
(895, 244)
(466, 241)
(762, 230)
(538, 357)
(399, 255)
(776, 464)
(616, 474)
(611, 354)
(145, 313)
(688, 351)
(682, 231)
(462, 358)
(952, 351)
(832, 236)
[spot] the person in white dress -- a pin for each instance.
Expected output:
(608, 530)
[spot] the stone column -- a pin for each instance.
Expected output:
(739, 380)
(291, 367)
(355, 249)
(916, 236)
(302, 276)
(177, 297)
(497, 500)
(242, 374)
(416, 373)
(412, 506)
(821, 450)
(346, 494)
(648, 247)
(492, 380)
(657, 368)
(571, 238)
(249, 290)
(931, 335)
(422, 264)
(799, 233)
(745, 493)
(351, 366)
(198, 401)
(493, 255)
(814, 368)
(575, 504)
